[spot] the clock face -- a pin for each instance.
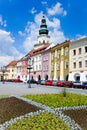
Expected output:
(43, 21)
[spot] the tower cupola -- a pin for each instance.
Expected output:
(43, 27)
(43, 37)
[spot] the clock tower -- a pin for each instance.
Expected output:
(43, 37)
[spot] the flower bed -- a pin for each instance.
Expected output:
(59, 100)
(14, 116)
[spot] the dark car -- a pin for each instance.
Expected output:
(48, 82)
(69, 84)
(32, 81)
(77, 84)
(84, 84)
(39, 82)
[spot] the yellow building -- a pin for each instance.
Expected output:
(12, 70)
(60, 61)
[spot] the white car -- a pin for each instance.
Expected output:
(77, 84)
(25, 81)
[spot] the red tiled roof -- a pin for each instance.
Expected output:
(34, 52)
(12, 63)
(37, 51)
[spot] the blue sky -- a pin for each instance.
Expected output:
(20, 22)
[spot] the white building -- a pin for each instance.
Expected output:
(78, 60)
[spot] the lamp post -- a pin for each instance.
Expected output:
(3, 70)
(29, 68)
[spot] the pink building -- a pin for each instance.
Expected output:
(46, 64)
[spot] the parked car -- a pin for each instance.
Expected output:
(43, 82)
(8, 80)
(39, 82)
(84, 85)
(54, 82)
(60, 83)
(32, 81)
(25, 81)
(48, 82)
(69, 84)
(77, 84)
(17, 80)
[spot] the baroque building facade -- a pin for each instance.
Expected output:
(78, 60)
(60, 61)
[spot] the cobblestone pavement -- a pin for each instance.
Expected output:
(21, 88)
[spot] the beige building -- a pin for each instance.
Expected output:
(12, 70)
(78, 60)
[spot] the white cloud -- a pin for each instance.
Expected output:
(7, 50)
(57, 9)
(56, 36)
(3, 22)
(32, 30)
(44, 2)
(54, 23)
(4, 60)
(33, 11)
(5, 37)
(21, 33)
(78, 36)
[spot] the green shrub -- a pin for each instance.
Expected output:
(64, 92)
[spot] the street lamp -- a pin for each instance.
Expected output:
(29, 68)
(3, 70)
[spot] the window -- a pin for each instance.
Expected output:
(80, 51)
(66, 51)
(80, 64)
(85, 63)
(52, 56)
(66, 64)
(58, 67)
(39, 57)
(74, 52)
(46, 67)
(86, 49)
(36, 67)
(58, 54)
(12, 70)
(52, 67)
(74, 65)
(47, 57)
(39, 67)
(36, 58)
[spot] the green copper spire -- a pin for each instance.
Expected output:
(43, 27)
